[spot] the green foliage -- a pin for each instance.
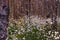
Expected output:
(32, 32)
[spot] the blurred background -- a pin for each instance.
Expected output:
(32, 19)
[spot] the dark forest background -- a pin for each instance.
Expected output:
(19, 8)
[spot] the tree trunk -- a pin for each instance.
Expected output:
(3, 20)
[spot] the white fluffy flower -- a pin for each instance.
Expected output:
(56, 37)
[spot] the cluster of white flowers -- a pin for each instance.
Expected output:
(56, 35)
(36, 22)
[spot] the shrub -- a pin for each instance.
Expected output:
(30, 31)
